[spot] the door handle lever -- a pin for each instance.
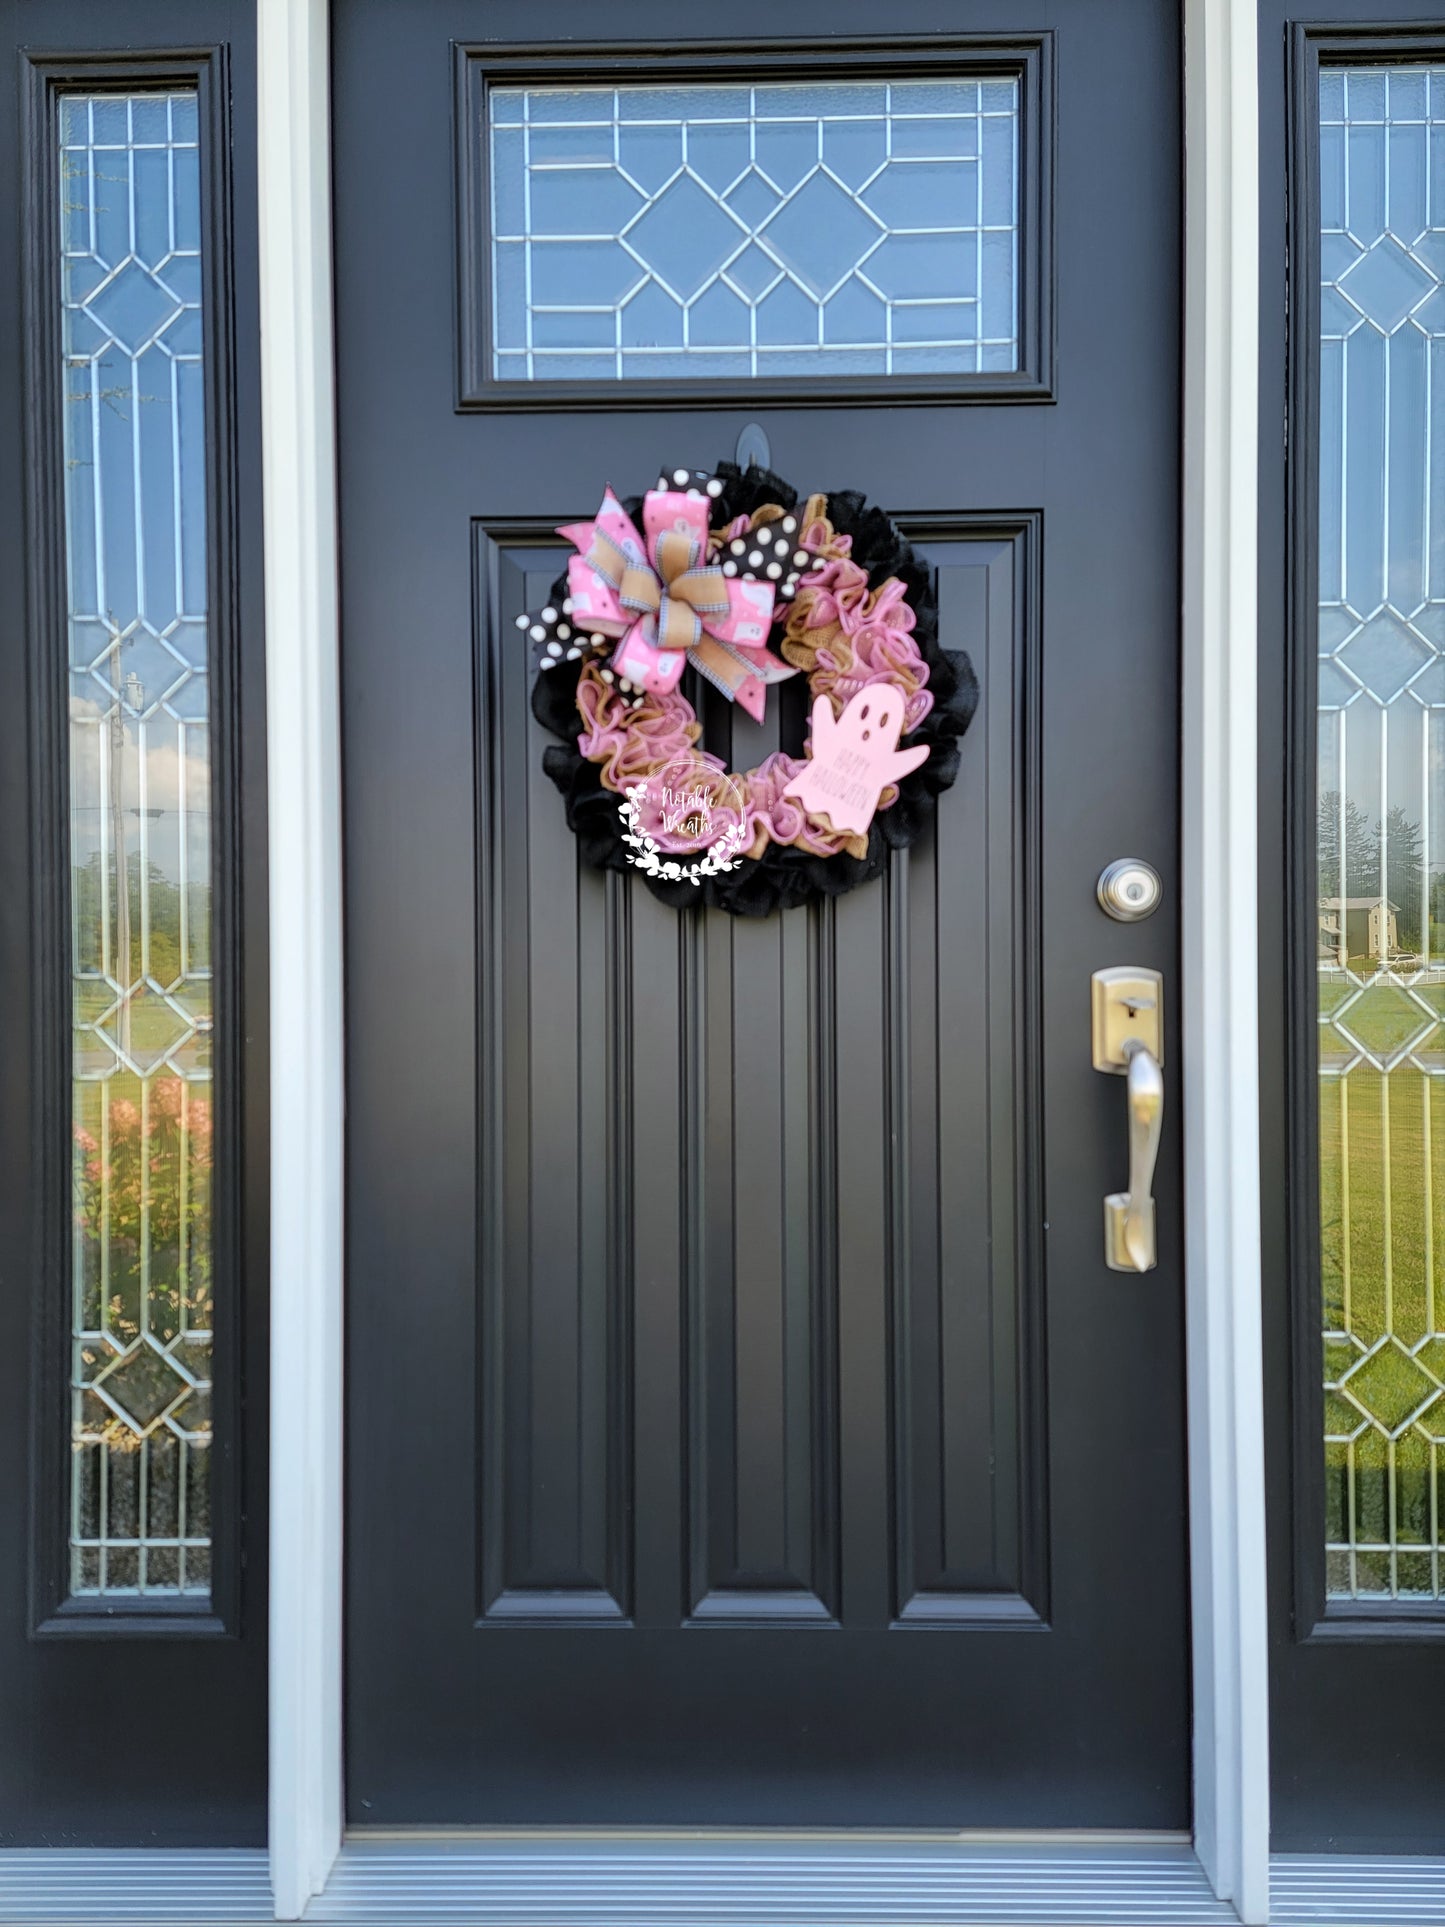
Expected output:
(1128, 1041)
(1129, 1215)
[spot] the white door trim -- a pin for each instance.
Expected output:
(1219, 924)
(1219, 845)
(304, 800)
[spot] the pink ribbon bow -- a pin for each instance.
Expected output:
(667, 603)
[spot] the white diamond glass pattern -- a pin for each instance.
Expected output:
(140, 844)
(852, 228)
(1381, 828)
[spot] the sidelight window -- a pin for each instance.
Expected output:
(1380, 826)
(140, 923)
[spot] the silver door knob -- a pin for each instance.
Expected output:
(1128, 1037)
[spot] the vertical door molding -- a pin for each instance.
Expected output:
(304, 792)
(1220, 948)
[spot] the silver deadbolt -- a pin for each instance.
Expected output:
(1129, 889)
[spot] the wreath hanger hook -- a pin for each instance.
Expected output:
(753, 450)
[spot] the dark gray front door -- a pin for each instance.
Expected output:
(743, 1425)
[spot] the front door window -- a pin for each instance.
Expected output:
(858, 228)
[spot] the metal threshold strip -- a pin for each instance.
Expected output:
(717, 1880)
(1363, 1890)
(754, 1880)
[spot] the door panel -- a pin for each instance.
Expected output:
(744, 1427)
(746, 1066)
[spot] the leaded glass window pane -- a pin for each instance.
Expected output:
(140, 843)
(1381, 826)
(829, 228)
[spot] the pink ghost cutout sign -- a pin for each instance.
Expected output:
(855, 757)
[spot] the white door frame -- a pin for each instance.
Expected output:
(1222, 1269)
(303, 723)
(1218, 871)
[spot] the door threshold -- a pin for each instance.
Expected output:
(1363, 1889)
(679, 1878)
(778, 1836)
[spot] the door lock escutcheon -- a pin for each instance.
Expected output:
(1128, 1034)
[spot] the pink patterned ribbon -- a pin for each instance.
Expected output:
(667, 604)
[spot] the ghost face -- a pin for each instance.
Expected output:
(873, 716)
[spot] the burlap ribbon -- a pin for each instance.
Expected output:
(683, 590)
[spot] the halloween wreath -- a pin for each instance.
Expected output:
(712, 570)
